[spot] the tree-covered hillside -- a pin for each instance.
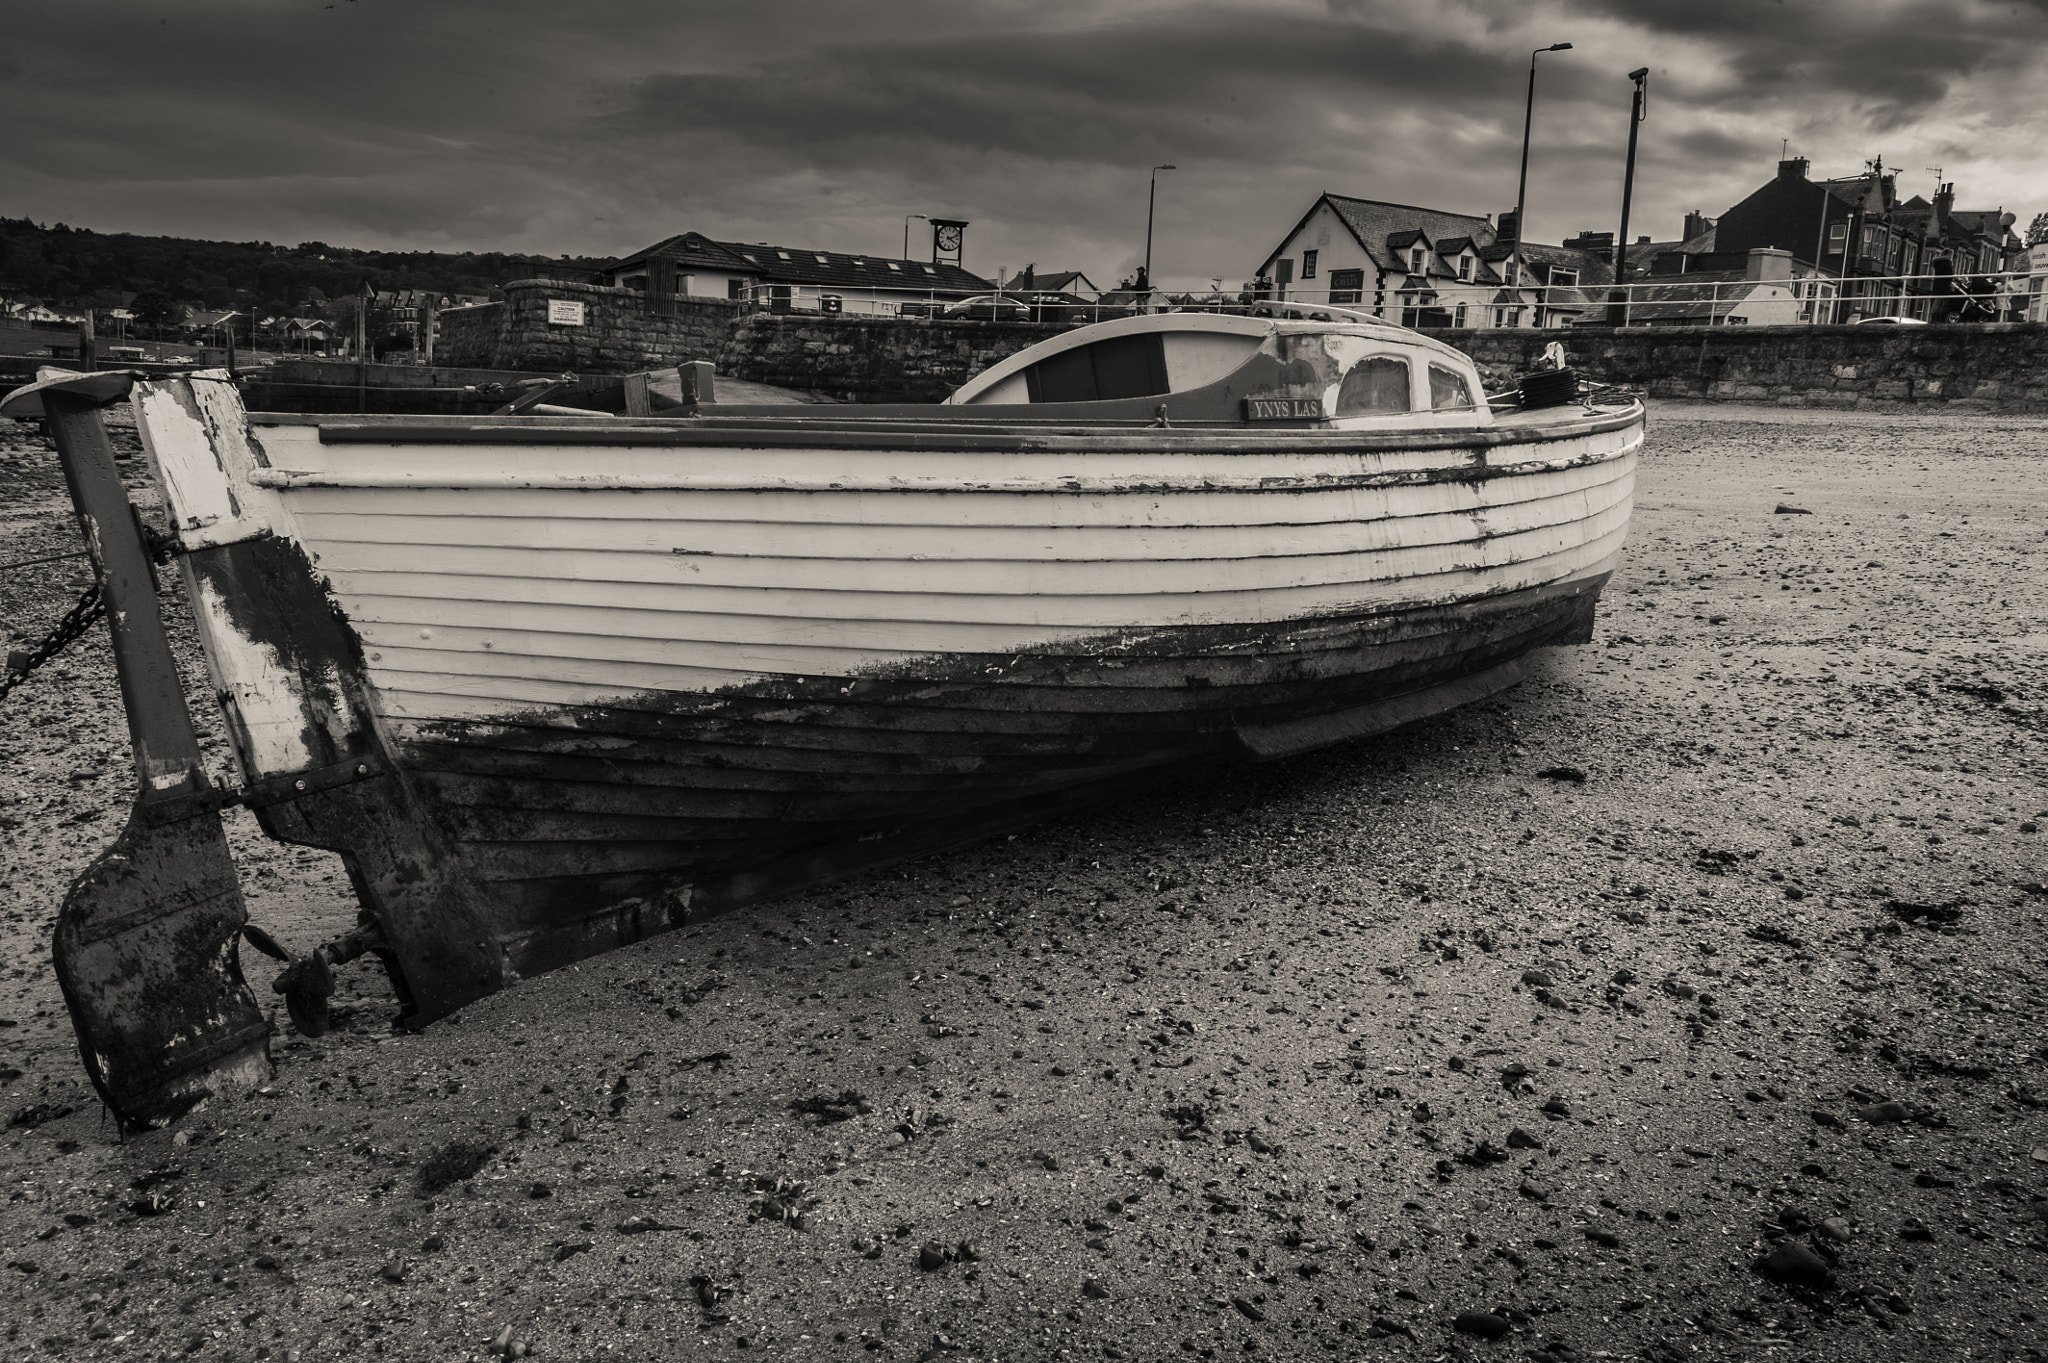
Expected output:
(75, 267)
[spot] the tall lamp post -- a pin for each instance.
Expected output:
(1529, 117)
(906, 231)
(1628, 189)
(1151, 201)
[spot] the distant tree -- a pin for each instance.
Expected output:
(157, 311)
(2037, 231)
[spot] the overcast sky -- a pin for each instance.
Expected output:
(598, 126)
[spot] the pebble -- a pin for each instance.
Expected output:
(1092, 1287)
(1795, 1265)
(931, 1256)
(1836, 1228)
(394, 1270)
(1558, 1107)
(1879, 1113)
(1537, 979)
(1519, 1139)
(539, 1190)
(1915, 1229)
(1485, 1324)
(1247, 1310)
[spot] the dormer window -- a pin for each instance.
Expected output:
(783, 254)
(1565, 277)
(894, 266)
(1464, 267)
(1416, 257)
(822, 261)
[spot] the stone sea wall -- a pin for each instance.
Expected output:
(871, 359)
(622, 331)
(1999, 367)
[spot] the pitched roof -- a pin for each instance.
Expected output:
(1700, 293)
(1639, 255)
(796, 265)
(1372, 222)
(1060, 282)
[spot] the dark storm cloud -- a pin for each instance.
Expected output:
(1898, 60)
(1223, 83)
(595, 128)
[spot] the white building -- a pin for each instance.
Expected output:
(789, 277)
(1425, 267)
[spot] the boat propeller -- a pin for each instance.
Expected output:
(307, 982)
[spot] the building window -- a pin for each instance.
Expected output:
(1464, 267)
(1416, 257)
(1511, 271)
(735, 288)
(1308, 264)
(1565, 277)
(1458, 315)
(1838, 232)
(1507, 317)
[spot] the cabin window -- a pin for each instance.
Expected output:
(1346, 285)
(1448, 390)
(1308, 264)
(1123, 367)
(1376, 385)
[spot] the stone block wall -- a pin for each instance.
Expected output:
(871, 359)
(624, 331)
(2001, 367)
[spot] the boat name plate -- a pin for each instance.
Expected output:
(1283, 409)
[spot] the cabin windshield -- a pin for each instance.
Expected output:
(1376, 386)
(1448, 390)
(1120, 367)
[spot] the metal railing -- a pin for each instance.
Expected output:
(1690, 300)
(1678, 300)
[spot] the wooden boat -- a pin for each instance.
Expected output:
(551, 684)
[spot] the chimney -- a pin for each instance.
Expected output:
(1643, 240)
(1769, 262)
(1794, 169)
(1696, 224)
(1944, 204)
(1602, 242)
(1507, 228)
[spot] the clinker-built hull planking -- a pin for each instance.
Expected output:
(611, 675)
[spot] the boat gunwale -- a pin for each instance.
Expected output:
(941, 436)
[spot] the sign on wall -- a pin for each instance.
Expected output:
(562, 313)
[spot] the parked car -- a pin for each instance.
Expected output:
(990, 307)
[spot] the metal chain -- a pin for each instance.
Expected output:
(89, 607)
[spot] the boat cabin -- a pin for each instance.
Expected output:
(1331, 370)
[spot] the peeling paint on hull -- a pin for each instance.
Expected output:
(616, 678)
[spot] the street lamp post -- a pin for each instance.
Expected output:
(1151, 201)
(906, 231)
(1528, 118)
(1628, 189)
